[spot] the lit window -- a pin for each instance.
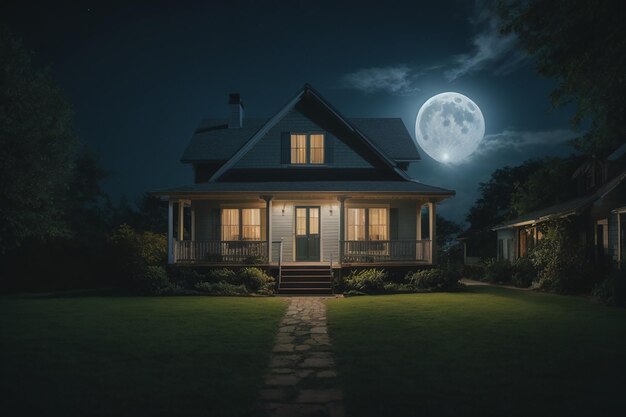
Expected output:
(251, 224)
(230, 224)
(378, 224)
(298, 149)
(301, 221)
(307, 149)
(314, 221)
(368, 224)
(317, 149)
(244, 224)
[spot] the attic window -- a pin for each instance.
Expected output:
(307, 148)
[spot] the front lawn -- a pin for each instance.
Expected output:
(485, 352)
(134, 356)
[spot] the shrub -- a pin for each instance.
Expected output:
(186, 276)
(133, 252)
(221, 288)
(222, 274)
(369, 281)
(475, 272)
(612, 290)
(497, 271)
(253, 279)
(155, 281)
(433, 279)
(524, 272)
(560, 259)
(395, 288)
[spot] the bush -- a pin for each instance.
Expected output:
(221, 288)
(433, 279)
(186, 276)
(254, 280)
(560, 259)
(132, 253)
(395, 288)
(497, 271)
(612, 290)
(475, 272)
(524, 272)
(369, 281)
(222, 274)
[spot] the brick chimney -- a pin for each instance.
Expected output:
(236, 111)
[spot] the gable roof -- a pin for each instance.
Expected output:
(213, 140)
(568, 208)
(307, 92)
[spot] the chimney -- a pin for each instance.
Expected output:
(236, 111)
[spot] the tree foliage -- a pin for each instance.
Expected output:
(38, 148)
(581, 45)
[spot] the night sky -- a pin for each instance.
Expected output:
(141, 77)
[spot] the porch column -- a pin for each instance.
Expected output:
(193, 223)
(432, 226)
(342, 226)
(268, 225)
(170, 232)
(181, 221)
(419, 220)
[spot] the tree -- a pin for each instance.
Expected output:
(551, 183)
(580, 44)
(38, 149)
(447, 230)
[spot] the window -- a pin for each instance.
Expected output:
(230, 224)
(301, 221)
(241, 224)
(368, 224)
(298, 149)
(251, 224)
(307, 149)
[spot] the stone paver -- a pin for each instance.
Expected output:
(302, 379)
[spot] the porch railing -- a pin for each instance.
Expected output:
(364, 251)
(220, 251)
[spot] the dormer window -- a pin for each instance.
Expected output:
(307, 148)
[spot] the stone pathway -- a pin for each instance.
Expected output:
(302, 375)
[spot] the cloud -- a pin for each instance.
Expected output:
(397, 80)
(522, 141)
(491, 49)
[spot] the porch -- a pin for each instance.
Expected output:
(268, 230)
(234, 252)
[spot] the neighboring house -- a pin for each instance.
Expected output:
(307, 186)
(599, 213)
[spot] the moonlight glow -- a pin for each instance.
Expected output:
(449, 127)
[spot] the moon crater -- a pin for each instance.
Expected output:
(449, 127)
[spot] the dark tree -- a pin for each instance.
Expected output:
(447, 231)
(38, 149)
(551, 183)
(581, 45)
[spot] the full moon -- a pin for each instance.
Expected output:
(449, 127)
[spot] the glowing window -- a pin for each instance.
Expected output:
(307, 149)
(230, 224)
(241, 224)
(301, 221)
(298, 149)
(368, 224)
(251, 224)
(314, 220)
(317, 149)
(378, 224)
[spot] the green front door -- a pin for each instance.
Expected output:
(307, 234)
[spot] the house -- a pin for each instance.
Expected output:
(598, 213)
(305, 187)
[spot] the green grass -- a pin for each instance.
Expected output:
(485, 352)
(134, 356)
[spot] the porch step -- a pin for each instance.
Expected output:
(305, 291)
(306, 279)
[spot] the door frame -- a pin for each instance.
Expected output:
(295, 231)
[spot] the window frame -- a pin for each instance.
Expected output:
(241, 225)
(308, 162)
(367, 225)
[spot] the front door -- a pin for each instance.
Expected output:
(307, 234)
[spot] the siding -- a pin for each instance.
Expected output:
(266, 153)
